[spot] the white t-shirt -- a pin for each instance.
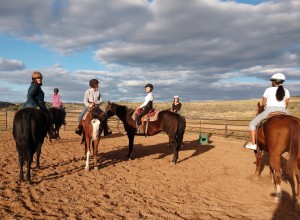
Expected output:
(270, 95)
(148, 98)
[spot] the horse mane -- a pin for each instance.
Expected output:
(96, 113)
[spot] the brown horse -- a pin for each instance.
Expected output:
(169, 122)
(91, 134)
(280, 133)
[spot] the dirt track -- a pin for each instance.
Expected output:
(209, 182)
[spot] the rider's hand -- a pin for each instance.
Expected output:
(91, 105)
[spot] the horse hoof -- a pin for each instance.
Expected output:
(87, 168)
(172, 163)
(96, 168)
(255, 177)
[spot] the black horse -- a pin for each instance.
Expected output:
(57, 120)
(171, 123)
(30, 127)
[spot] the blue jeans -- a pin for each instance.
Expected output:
(82, 114)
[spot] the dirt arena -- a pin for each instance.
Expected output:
(211, 181)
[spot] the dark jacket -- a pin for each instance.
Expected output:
(35, 97)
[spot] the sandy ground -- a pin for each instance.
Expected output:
(211, 181)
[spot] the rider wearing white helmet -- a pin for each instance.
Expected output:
(275, 99)
(176, 105)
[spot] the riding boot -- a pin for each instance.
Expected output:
(79, 129)
(106, 129)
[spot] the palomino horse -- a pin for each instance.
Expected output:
(280, 133)
(91, 134)
(169, 122)
(30, 127)
(57, 120)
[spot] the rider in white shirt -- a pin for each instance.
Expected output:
(275, 99)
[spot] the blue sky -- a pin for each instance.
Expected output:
(196, 49)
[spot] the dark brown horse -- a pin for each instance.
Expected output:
(30, 127)
(91, 134)
(57, 120)
(169, 122)
(280, 133)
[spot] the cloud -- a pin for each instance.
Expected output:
(11, 65)
(199, 50)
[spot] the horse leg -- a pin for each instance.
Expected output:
(21, 163)
(297, 202)
(258, 156)
(275, 165)
(95, 153)
(87, 150)
(38, 153)
(176, 146)
(29, 161)
(130, 136)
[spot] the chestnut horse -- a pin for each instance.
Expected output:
(171, 123)
(280, 133)
(91, 134)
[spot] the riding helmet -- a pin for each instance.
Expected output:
(93, 82)
(278, 77)
(149, 85)
(176, 97)
(56, 90)
(36, 74)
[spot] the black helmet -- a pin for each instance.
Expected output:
(149, 85)
(93, 82)
(56, 90)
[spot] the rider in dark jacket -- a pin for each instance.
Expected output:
(35, 98)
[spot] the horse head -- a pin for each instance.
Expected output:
(109, 110)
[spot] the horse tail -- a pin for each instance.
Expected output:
(22, 132)
(294, 147)
(180, 130)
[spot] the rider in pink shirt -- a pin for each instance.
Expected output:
(57, 103)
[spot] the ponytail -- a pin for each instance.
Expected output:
(280, 93)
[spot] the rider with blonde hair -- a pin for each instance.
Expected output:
(36, 96)
(275, 99)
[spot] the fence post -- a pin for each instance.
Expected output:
(226, 131)
(6, 119)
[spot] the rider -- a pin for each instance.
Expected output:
(57, 103)
(35, 98)
(92, 98)
(146, 106)
(275, 99)
(176, 105)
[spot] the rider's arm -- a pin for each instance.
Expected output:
(264, 102)
(287, 102)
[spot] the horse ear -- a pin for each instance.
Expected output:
(109, 103)
(258, 104)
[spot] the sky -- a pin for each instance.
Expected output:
(200, 50)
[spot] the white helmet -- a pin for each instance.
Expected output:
(176, 97)
(278, 77)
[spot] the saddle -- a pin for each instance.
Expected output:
(150, 116)
(269, 116)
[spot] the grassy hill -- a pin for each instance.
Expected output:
(236, 109)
